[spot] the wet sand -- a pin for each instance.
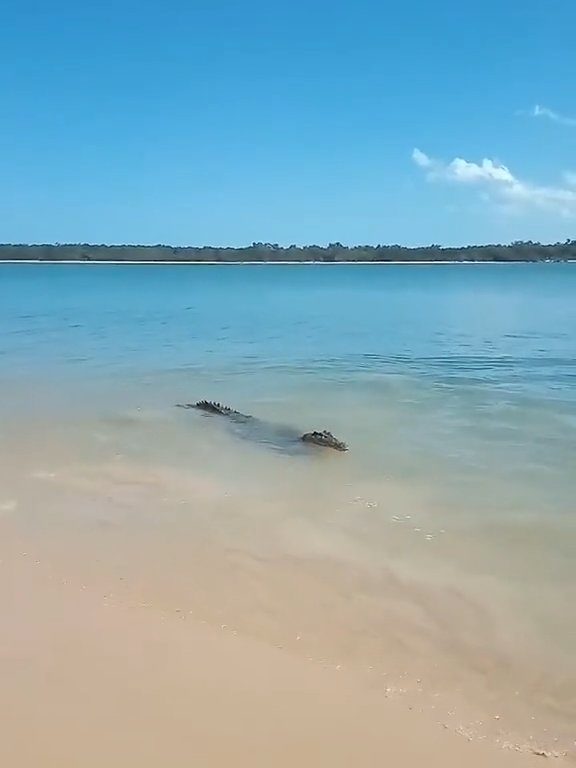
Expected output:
(89, 679)
(114, 543)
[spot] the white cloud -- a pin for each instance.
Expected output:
(550, 114)
(421, 159)
(498, 184)
(488, 170)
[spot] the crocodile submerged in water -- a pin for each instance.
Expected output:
(268, 433)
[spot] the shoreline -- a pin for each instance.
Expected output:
(274, 263)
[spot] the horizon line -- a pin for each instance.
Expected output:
(293, 246)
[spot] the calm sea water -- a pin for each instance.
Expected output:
(506, 326)
(454, 382)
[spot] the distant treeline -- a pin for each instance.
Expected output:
(517, 251)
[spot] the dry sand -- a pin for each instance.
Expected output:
(89, 680)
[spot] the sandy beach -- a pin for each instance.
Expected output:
(91, 680)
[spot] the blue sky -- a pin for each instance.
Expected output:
(206, 122)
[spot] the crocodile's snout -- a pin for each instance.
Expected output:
(324, 439)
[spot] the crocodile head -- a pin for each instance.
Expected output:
(324, 439)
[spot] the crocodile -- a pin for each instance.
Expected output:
(268, 433)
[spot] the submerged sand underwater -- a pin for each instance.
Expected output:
(168, 512)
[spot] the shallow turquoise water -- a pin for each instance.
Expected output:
(508, 326)
(424, 369)
(455, 386)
